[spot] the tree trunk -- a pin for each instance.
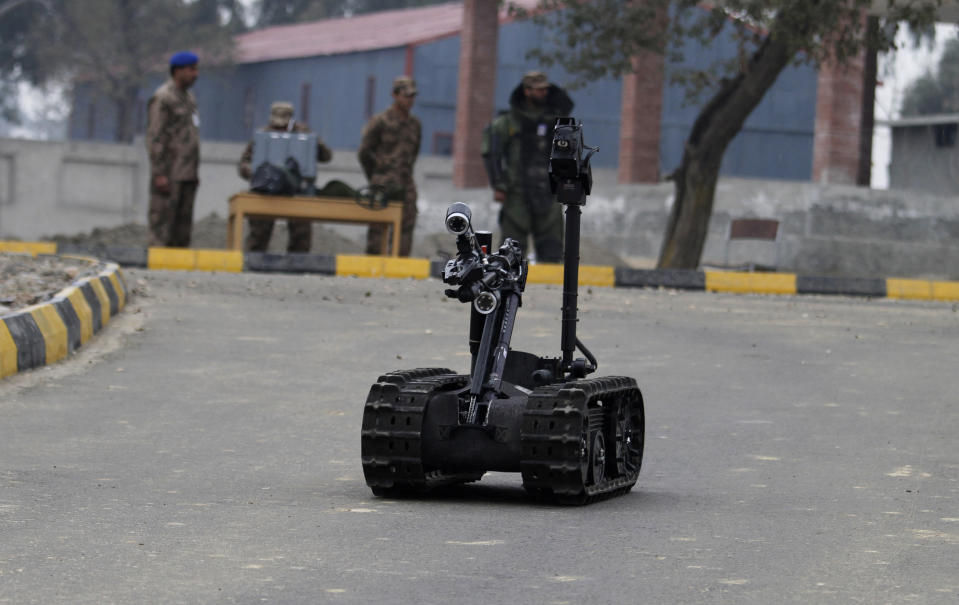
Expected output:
(870, 69)
(126, 99)
(715, 127)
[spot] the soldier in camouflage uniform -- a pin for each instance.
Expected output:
(173, 144)
(300, 231)
(516, 147)
(388, 150)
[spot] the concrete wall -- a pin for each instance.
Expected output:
(925, 158)
(51, 188)
(68, 188)
(47, 187)
(827, 229)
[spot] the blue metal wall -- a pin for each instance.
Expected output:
(93, 116)
(776, 141)
(436, 69)
(236, 101)
(338, 92)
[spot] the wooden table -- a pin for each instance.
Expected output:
(337, 209)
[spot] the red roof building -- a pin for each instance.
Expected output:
(386, 29)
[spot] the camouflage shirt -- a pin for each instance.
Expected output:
(388, 150)
(245, 167)
(173, 133)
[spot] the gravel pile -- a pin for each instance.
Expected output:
(210, 233)
(25, 280)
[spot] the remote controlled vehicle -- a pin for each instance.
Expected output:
(575, 439)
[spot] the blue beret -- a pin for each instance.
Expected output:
(183, 58)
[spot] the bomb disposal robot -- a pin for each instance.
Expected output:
(574, 439)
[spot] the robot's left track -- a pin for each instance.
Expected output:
(583, 440)
(391, 444)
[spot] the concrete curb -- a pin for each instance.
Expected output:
(47, 332)
(379, 266)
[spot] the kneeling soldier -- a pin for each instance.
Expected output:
(300, 231)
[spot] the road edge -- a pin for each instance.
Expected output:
(190, 259)
(47, 332)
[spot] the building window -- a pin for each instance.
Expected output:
(249, 102)
(305, 103)
(370, 96)
(442, 143)
(945, 135)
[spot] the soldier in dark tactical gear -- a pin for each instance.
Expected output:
(300, 231)
(516, 147)
(173, 144)
(388, 150)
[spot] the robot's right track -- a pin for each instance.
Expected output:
(392, 427)
(583, 441)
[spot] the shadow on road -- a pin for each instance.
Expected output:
(479, 494)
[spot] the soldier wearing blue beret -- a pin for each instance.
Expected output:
(173, 143)
(183, 59)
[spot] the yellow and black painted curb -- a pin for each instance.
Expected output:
(379, 266)
(789, 283)
(47, 332)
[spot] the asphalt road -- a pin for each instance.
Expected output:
(205, 449)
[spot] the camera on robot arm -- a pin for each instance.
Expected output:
(570, 175)
(482, 277)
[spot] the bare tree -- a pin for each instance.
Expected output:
(16, 62)
(113, 45)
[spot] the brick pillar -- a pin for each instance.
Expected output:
(839, 116)
(476, 87)
(641, 120)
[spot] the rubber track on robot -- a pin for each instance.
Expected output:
(392, 426)
(556, 418)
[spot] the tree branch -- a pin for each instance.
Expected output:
(12, 4)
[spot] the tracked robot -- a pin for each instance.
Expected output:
(575, 439)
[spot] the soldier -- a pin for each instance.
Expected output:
(388, 150)
(173, 143)
(300, 231)
(516, 147)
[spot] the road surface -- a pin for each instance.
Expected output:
(205, 449)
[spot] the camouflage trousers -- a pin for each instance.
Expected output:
(374, 235)
(171, 215)
(542, 219)
(300, 235)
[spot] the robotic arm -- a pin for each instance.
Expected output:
(482, 277)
